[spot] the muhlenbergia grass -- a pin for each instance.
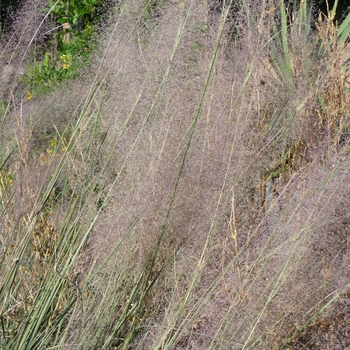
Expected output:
(188, 189)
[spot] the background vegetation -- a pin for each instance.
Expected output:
(174, 175)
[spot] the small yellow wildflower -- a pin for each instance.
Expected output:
(52, 143)
(63, 148)
(9, 179)
(6, 179)
(29, 95)
(66, 61)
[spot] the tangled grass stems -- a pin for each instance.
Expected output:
(181, 202)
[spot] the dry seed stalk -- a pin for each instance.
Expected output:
(233, 230)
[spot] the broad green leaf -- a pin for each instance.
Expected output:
(344, 30)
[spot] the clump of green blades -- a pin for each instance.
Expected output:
(298, 31)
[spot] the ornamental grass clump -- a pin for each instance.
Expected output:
(188, 188)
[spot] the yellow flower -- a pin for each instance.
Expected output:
(29, 95)
(52, 143)
(66, 61)
(6, 179)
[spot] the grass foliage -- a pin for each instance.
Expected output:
(186, 188)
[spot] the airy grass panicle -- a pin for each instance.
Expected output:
(189, 188)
